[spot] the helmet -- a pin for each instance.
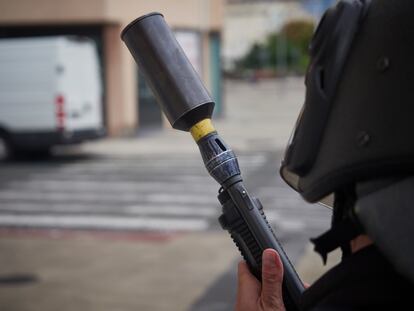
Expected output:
(354, 127)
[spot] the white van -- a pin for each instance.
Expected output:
(50, 92)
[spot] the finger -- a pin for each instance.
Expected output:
(248, 285)
(272, 278)
(248, 289)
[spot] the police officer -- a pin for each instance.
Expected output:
(353, 143)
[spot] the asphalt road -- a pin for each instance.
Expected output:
(150, 194)
(147, 193)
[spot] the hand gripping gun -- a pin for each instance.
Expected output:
(188, 107)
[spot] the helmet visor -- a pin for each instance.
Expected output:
(329, 51)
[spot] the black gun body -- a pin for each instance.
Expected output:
(244, 218)
(258, 229)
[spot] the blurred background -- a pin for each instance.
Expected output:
(102, 205)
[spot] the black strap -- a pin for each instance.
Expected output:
(339, 235)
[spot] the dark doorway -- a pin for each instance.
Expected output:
(149, 113)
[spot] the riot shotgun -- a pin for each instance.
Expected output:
(188, 107)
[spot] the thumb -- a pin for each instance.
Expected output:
(272, 278)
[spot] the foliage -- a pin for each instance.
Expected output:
(285, 51)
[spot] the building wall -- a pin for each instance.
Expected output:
(27, 12)
(115, 79)
(203, 16)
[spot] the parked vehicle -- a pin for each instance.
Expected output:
(50, 93)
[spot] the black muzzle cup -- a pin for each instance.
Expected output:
(176, 85)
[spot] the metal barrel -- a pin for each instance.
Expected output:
(176, 85)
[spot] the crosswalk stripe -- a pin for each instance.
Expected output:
(55, 196)
(114, 186)
(129, 210)
(162, 163)
(174, 210)
(92, 176)
(104, 222)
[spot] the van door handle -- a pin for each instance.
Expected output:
(75, 114)
(87, 107)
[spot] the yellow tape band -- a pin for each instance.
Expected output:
(201, 129)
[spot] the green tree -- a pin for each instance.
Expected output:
(299, 33)
(287, 48)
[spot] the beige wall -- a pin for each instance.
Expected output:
(200, 15)
(23, 12)
(194, 14)
(114, 80)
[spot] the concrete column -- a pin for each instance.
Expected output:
(121, 84)
(205, 52)
(113, 79)
(130, 91)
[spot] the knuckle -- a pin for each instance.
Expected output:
(271, 278)
(241, 267)
(273, 303)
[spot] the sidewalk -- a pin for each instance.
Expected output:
(257, 116)
(84, 272)
(88, 273)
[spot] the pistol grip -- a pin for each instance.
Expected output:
(250, 250)
(249, 247)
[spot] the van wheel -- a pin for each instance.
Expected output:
(29, 154)
(40, 154)
(5, 148)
